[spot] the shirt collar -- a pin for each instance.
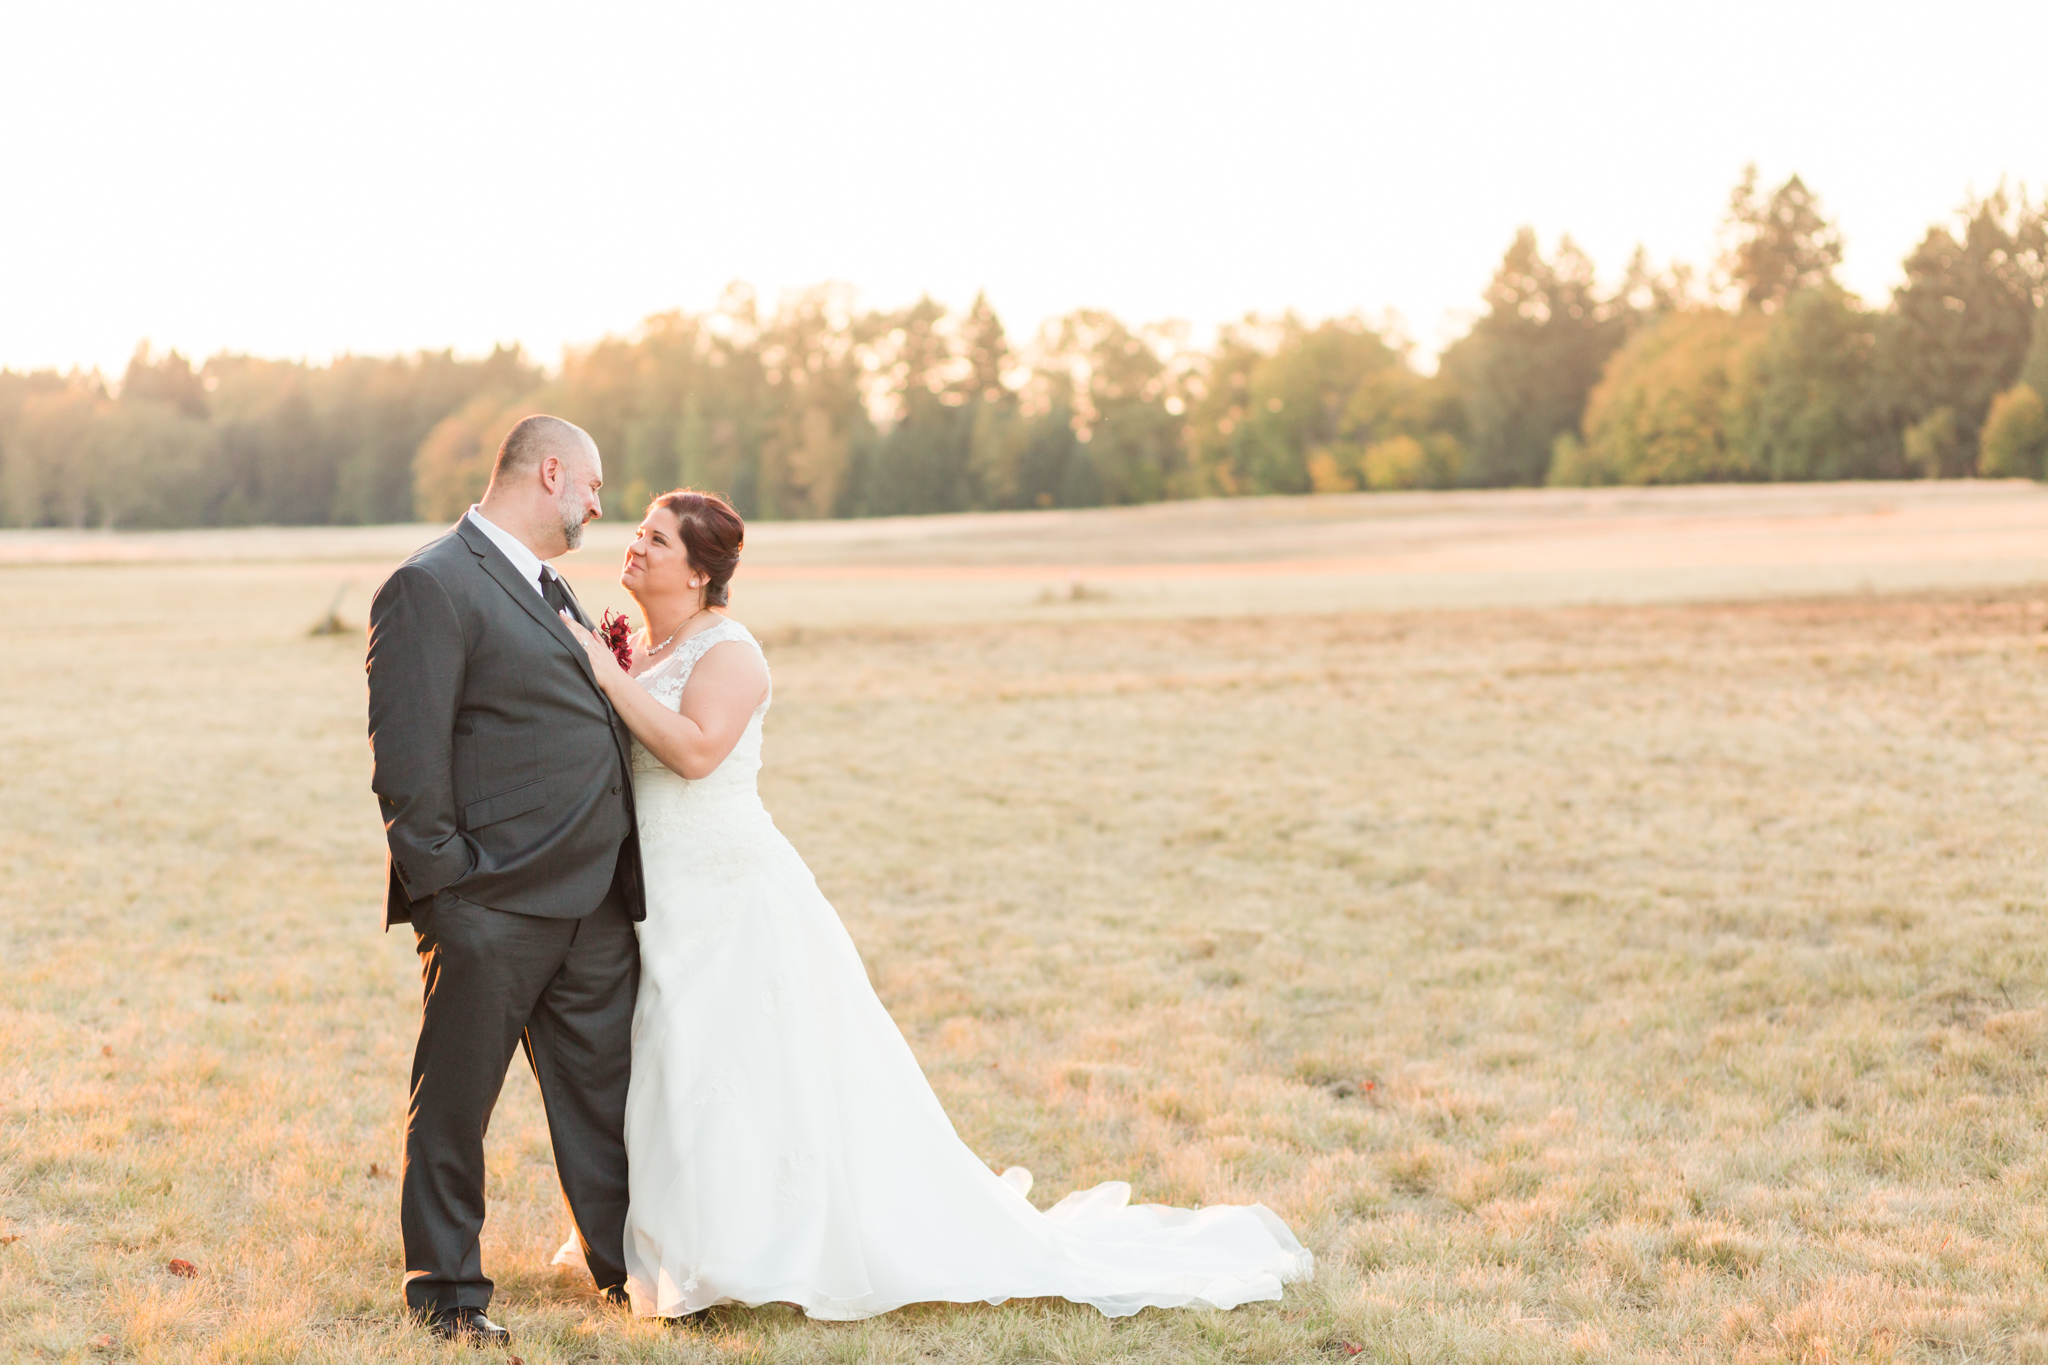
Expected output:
(524, 560)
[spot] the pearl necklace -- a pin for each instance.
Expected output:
(672, 634)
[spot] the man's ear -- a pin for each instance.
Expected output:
(551, 473)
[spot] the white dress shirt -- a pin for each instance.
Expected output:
(524, 560)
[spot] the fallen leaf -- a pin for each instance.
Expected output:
(225, 997)
(375, 1170)
(10, 1239)
(184, 1270)
(515, 1360)
(107, 1050)
(103, 1342)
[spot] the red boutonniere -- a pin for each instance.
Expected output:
(615, 632)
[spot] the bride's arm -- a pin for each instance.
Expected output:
(724, 688)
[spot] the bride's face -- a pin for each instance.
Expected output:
(656, 561)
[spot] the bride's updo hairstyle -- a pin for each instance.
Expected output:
(713, 534)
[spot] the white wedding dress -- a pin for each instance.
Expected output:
(782, 1142)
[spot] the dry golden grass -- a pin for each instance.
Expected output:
(1645, 983)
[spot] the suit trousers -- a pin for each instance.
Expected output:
(563, 989)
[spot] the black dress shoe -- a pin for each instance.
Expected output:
(616, 1296)
(468, 1326)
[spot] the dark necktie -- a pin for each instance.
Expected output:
(557, 596)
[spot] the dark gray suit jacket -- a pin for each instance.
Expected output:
(504, 775)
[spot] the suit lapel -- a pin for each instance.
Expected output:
(526, 594)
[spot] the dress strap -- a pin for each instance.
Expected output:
(667, 679)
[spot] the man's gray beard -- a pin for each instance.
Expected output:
(572, 519)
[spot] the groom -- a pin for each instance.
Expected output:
(506, 786)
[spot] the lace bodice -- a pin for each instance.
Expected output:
(722, 809)
(667, 679)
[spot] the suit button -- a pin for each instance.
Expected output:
(615, 789)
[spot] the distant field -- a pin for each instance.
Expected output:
(1599, 971)
(1517, 547)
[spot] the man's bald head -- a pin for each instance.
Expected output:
(537, 437)
(544, 485)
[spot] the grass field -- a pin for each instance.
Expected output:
(1660, 980)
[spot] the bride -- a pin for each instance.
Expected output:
(782, 1143)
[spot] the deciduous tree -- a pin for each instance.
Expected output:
(1662, 413)
(1805, 404)
(2015, 436)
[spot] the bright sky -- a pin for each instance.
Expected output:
(302, 179)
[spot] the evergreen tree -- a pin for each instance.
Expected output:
(1524, 370)
(1963, 321)
(921, 461)
(168, 379)
(1125, 410)
(1778, 246)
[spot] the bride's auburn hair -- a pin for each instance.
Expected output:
(713, 535)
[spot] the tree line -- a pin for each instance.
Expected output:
(1764, 368)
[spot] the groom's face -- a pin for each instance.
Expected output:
(577, 495)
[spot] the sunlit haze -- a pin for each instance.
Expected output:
(299, 180)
